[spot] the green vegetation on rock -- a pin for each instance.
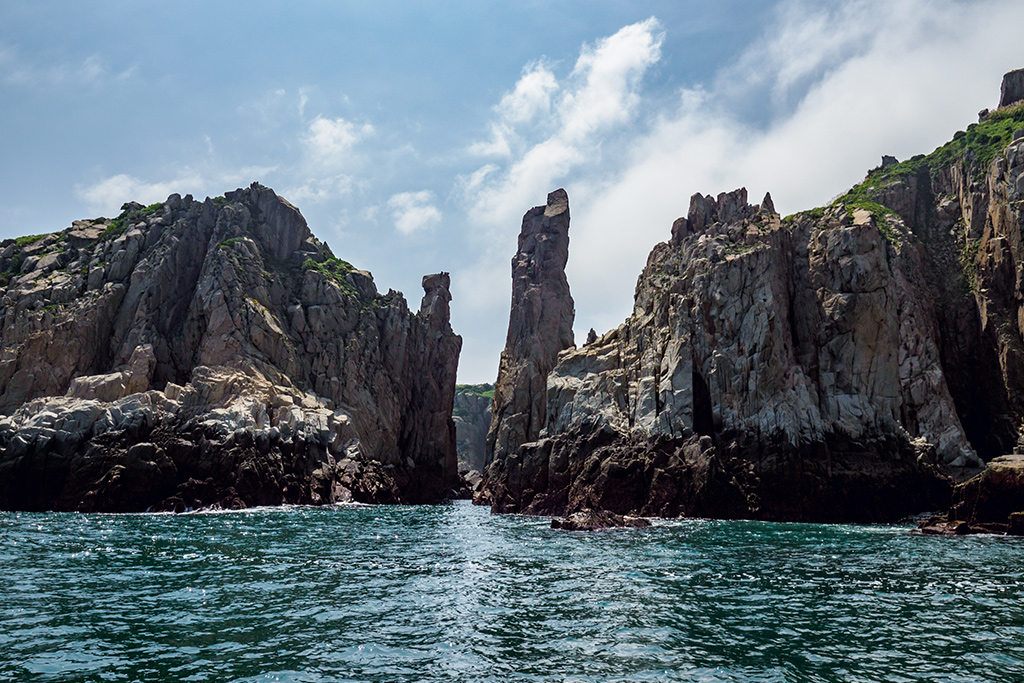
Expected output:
(975, 148)
(25, 241)
(332, 267)
(482, 390)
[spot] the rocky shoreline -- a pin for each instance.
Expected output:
(859, 362)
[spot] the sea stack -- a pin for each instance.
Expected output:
(540, 326)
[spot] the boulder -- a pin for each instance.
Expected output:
(594, 520)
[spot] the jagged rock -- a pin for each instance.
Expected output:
(594, 520)
(260, 367)
(540, 326)
(799, 356)
(848, 363)
(472, 416)
(1012, 90)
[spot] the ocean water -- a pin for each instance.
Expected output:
(452, 593)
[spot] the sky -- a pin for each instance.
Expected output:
(413, 136)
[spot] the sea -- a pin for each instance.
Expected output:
(453, 593)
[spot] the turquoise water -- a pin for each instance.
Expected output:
(451, 593)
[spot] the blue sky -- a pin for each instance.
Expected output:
(413, 136)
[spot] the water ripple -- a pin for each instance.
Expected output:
(452, 593)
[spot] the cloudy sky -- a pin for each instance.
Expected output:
(413, 136)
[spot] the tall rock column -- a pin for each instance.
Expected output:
(540, 325)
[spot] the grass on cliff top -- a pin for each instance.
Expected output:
(127, 217)
(25, 241)
(481, 390)
(334, 269)
(975, 147)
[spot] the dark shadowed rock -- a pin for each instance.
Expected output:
(472, 416)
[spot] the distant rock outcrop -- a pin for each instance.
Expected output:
(843, 364)
(1012, 90)
(540, 326)
(472, 415)
(191, 354)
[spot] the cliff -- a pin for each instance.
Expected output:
(848, 363)
(215, 353)
(472, 416)
(540, 325)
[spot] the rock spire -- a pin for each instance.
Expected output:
(540, 326)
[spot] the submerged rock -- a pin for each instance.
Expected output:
(594, 520)
(191, 354)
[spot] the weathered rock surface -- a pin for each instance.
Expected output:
(595, 520)
(472, 416)
(193, 354)
(1012, 90)
(845, 364)
(540, 326)
(768, 370)
(991, 502)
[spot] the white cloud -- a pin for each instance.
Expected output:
(320, 189)
(867, 78)
(610, 74)
(105, 196)
(600, 94)
(330, 141)
(498, 145)
(91, 71)
(413, 211)
(532, 95)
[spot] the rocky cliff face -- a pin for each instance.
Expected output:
(472, 416)
(215, 353)
(540, 325)
(836, 365)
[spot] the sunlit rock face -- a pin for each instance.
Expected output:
(540, 326)
(193, 354)
(849, 363)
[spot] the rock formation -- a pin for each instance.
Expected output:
(540, 326)
(472, 416)
(595, 520)
(991, 502)
(844, 364)
(191, 354)
(1012, 90)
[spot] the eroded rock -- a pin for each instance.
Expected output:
(262, 368)
(540, 326)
